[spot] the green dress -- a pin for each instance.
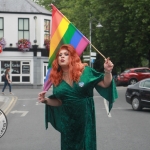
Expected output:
(75, 118)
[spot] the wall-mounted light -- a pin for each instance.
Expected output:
(35, 41)
(10, 44)
(35, 17)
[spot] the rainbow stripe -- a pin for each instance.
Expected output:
(63, 32)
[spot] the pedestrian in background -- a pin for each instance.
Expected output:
(71, 109)
(7, 81)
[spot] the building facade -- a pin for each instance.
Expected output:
(24, 31)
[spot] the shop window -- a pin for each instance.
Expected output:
(19, 70)
(4, 66)
(2, 79)
(25, 69)
(15, 67)
(15, 78)
(1, 27)
(23, 28)
(25, 79)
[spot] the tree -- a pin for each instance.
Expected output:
(125, 36)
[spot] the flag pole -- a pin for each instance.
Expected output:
(98, 51)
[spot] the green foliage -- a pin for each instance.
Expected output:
(125, 36)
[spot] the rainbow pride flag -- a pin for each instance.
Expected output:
(63, 32)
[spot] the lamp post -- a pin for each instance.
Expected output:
(90, 29)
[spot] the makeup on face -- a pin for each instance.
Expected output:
(63, 58)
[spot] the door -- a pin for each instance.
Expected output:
(45, 66)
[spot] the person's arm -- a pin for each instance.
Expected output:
(7, 77)
(107, 79)
(48, 101)
(52, 102)
(108, 66)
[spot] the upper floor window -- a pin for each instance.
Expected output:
(1, 27)
(23, 28)
(46, 29)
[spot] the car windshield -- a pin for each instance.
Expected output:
(145, 84)
(126, 71)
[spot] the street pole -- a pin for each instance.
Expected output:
(90, 28)
(90, 37)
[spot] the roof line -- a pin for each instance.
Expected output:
(33, 5)
(38, 13)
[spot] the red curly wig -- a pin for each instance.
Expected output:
(75, 66)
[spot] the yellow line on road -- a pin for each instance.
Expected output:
(11, 105)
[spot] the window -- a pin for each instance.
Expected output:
(142, 70)
(25, 69)
(19, 70)
(141, 84)
(126, 71)
(147, 70)
(138, 70)
(147, 84)
(46, 29)
(4, 66)
(15, 67)
(23, 28)
(1, 27)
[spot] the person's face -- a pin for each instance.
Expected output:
(63, 58)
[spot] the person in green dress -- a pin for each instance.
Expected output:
(70, 109)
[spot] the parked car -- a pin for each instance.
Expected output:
(132, 76)
(138, 95)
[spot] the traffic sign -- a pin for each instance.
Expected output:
(86, 56)
(87, 59)
(92, 61)
(93, 53)
(93, 57)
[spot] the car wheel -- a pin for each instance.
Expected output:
(136, 103)
(132, 81)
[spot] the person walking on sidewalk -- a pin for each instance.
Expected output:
(7, 81)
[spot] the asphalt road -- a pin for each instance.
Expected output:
(123, 129)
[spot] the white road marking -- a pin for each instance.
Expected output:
(122, 88)
(120, 108)
(106, 107)
(31, 99)
(38, 103)
(97, 96)
(27, 99)
(22, 112)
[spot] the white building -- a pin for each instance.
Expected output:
(24, 19)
